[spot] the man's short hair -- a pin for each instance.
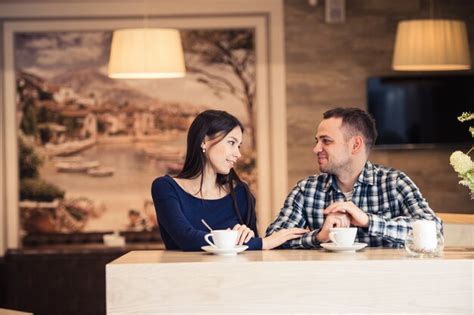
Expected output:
(355, 120)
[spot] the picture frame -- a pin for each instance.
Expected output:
(266, 17)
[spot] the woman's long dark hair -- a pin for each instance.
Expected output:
(216, 124)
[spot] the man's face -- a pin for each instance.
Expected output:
(332, 150)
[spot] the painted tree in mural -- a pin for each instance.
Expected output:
(231, 50)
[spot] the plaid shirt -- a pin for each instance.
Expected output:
(389, 197)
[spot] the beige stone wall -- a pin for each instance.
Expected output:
(327, 65)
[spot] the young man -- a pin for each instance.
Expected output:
(351, 191)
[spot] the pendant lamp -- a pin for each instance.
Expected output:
(146, 53)
(431, 45)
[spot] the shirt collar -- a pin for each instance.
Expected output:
(330, 182)
(367, 176)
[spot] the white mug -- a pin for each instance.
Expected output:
(343, 236)
(424, 234)
(223, 239)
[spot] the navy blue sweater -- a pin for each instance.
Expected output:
(179, 215)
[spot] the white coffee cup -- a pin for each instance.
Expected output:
(223, 239)
(343, 236)
(424, 234)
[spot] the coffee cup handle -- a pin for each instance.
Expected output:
(332, 238)
(206, 238)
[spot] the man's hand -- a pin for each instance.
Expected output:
(357, 216)
(332, 220)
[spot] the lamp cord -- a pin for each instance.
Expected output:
(431, 9)
(145, 14)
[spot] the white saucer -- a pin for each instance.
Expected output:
(351, 248)
(225, 252)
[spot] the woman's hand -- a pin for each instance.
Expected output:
(281, 236)
(245, 233)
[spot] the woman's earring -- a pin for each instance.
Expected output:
(203, 150)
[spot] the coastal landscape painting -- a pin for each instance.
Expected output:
(90, 146)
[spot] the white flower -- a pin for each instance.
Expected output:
(466, 116)
(461, 162)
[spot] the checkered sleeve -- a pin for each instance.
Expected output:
(413, 206)
(292, 215)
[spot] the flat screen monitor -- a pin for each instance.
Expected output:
(421, 110)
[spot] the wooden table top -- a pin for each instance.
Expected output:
(168, 256)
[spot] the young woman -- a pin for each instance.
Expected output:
(208, 188)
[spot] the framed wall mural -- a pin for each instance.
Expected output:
(81, 149)
(90, 146)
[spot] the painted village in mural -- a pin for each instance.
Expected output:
(89, 146)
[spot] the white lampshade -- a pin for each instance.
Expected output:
(431, 45)
(146, 53)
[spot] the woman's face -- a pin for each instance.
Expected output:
(222, 154)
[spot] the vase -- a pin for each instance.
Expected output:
(420, 243)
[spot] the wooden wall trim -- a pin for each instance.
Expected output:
(456, 218)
